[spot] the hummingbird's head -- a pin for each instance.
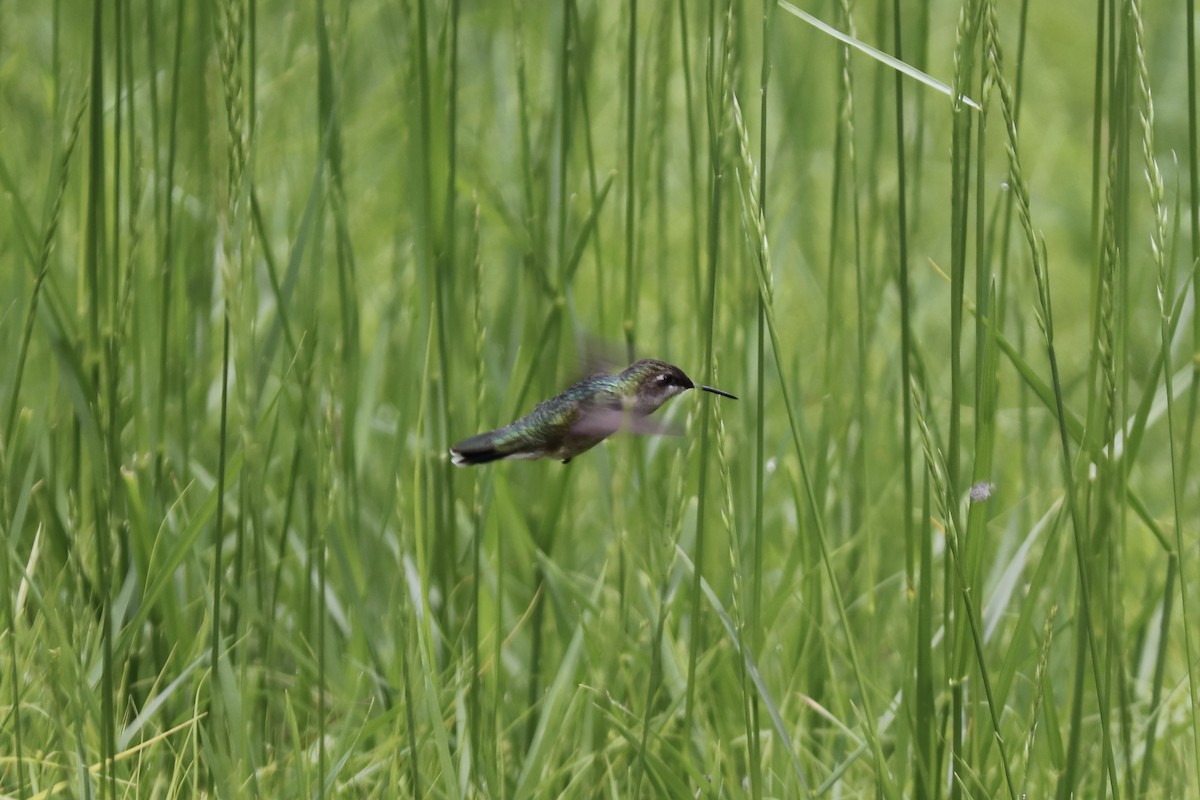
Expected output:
(654, 382)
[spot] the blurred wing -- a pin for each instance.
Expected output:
(603, 421)
(599, 356)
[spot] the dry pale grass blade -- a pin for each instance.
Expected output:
(878, 55)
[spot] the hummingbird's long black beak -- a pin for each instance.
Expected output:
(717, 391)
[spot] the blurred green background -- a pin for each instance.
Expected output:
(266, 261)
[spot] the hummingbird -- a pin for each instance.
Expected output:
(584, 415)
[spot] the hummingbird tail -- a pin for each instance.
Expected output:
(479, 449)
(461, 458)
